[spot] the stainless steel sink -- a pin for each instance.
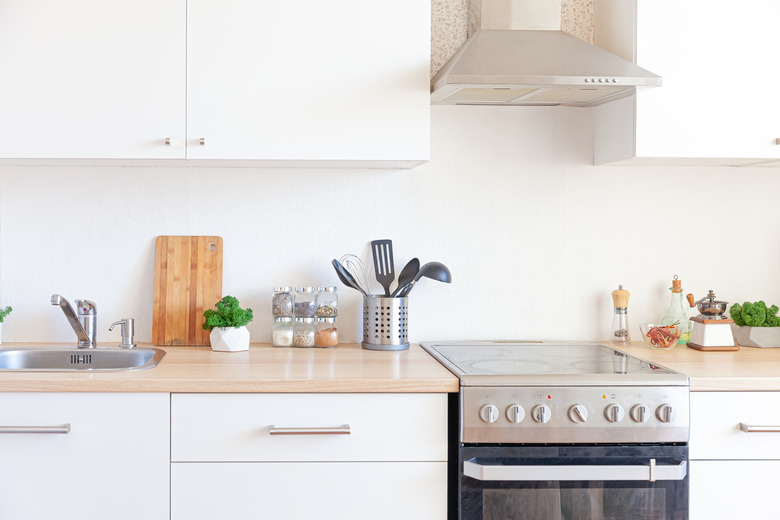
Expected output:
(72, 359)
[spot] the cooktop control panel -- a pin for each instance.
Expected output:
(588, 414)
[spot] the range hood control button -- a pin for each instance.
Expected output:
(614, 413)
(666, 413)
(578, 413)
(488, 413)
(515, 413)
(639, 413)
(541, 413)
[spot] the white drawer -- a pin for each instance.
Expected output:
(238, 427)
(715, 425)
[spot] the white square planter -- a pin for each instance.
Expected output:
(229, 339)
(764, 337)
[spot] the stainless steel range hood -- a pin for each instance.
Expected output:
(519, 56)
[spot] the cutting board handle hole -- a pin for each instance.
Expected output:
(212, 247)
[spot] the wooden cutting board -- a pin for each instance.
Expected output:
(187, 281)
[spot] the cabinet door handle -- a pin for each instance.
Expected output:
(325, 430)
(753, 428)
(63, 428)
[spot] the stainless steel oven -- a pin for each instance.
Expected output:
(554, 431)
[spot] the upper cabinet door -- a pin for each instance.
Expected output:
(718, 103)
(309, 81)
(92, 79)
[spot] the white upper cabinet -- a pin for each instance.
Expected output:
(342, 83)
(92, 79)
(308, 81)
(718, 103)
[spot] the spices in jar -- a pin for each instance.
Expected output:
(282, 332)
(327, 302)
(282, 302)
(304, 305)
(327, 332)
(304, 332)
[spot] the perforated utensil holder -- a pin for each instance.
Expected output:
(385, 323)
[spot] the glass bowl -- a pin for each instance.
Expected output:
(662, 337)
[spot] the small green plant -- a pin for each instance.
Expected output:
(755, 314)
(4, 312)
(228, 314)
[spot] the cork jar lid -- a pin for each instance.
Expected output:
(676, 285)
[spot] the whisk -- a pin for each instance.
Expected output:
(354, 265)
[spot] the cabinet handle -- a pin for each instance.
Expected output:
(325, 430)
(752, 428)
(63, 428)
(202, 141)
(168, 141)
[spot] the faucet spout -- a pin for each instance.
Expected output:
(85, 331)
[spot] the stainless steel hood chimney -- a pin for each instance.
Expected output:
(519, 56)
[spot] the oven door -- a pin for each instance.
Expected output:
(573, 482)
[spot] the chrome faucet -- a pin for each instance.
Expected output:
(85, 324)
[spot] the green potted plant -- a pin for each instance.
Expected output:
(755, 324)
(227, 323)
(3, 313)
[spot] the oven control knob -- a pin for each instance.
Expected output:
(639, 413)
(578, 413)
(541, 413)
(614, 413)
(515, 413)
(488, 413)
(665, 413)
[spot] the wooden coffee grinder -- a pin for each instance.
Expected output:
(711, 329)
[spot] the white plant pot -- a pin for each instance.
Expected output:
(229, 339)
(763, 337)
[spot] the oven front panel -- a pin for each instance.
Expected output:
(568, 482)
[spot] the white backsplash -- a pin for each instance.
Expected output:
(536, 237)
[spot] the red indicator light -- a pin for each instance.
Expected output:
(549, 397)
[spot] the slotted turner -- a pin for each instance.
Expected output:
(382, 250)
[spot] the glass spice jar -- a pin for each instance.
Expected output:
(304, 332)
(304, 306)
(327, 302)
(282, 302)
(282, 332)
(327, 332)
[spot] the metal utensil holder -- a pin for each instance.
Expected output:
(385, 323)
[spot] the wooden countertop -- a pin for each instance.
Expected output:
(346, 368)
(749, 368)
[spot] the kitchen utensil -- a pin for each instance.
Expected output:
(354, 265)
(432, 270)
(385, 322)
(708, 306)
(346, 278)
(187, 281)
(711, 330)
(407, 274)
(384, 270)
(620, 334)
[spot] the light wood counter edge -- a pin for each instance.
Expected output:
(345, 369)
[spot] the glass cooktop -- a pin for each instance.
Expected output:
(547, 363)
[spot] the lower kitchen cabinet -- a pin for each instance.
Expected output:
(733, 473)
(303, 456)
(84, 456)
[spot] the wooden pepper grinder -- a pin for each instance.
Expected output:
(620, 334)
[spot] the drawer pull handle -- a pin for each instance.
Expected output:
(63, 428)
(326, 430)
(752, 428)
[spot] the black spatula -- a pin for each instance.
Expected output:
(382, 250)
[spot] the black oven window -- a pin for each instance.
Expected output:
(552, 501)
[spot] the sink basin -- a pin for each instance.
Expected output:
(72, 359)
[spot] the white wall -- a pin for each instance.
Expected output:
(536, 238)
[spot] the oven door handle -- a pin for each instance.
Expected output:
(650, 472)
